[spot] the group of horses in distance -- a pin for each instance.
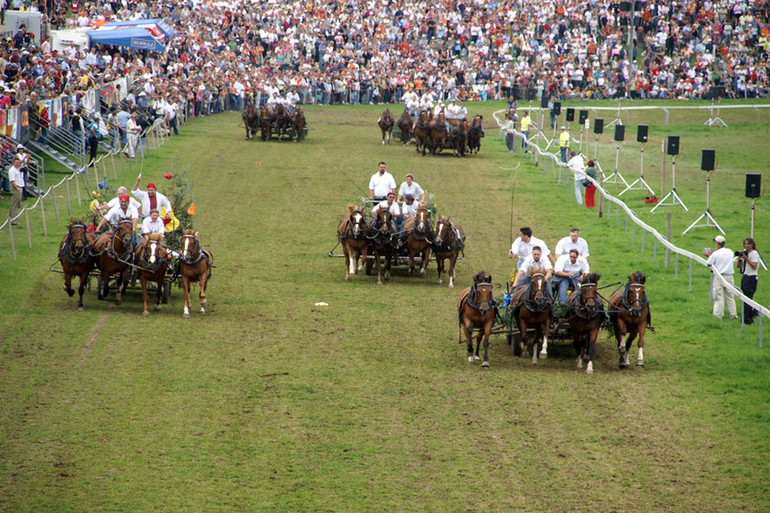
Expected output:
(434, 133)
(113, 255)
(627, 312)
(379, 238)
(277, 121)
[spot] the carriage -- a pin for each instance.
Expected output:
(280, 124)
(435, 134)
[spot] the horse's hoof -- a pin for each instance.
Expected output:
(640, 363)
(485, 365)
(543, 355)
(186, 315)
(589, 370)
(70, 293)
(202, 311)
(81, 308)
(478, 359)
(145, 313)
(157, 308)
(622, 363)
(470, 359)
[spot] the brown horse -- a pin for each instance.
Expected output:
(282, 121)
(460, 137)
(405, 125)
(384, 236)
(250, 117)
(477, 309)
(586, 315)
(194, 267)
(298, 123)
(386, 123)
(438, 134)
(475, 133)
(266, 120)
(448, 242)
(151, 259)
(113, 255)
(352, 233)
(531, 307)
(418, 232)
(76, 258)
(630, 315)
(422, 132)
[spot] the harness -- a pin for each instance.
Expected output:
(470, 301)
(145, 265)
(624, 297)
(202, 253)
(349, 234)
(417, 235)
(531, 305)
(454, 242)
(583, 311)
(66, 250)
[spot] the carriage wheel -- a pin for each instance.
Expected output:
(369, 266)
(166, 292)
(514, 339)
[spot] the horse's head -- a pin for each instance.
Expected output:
(636, 297)
(125, 233)
(483, 293)
(356, 221)
(477, 121)
(589, 297)
(153, 251)
(443, 230)
(383, 219)
(421, 218)
(76, 235)
(190, 246)
(537, 292)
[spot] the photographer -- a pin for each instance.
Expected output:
(748, 263)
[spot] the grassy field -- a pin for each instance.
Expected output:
(270, 403)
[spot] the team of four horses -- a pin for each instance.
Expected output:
(278, 120)
(434, 133)
(113, 255)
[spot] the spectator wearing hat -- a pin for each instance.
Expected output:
(720, 262)
(151, 199)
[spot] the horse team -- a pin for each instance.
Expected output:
(275, 120)
(113, 255)
(627, 312)
(434, 133)
(362, 237)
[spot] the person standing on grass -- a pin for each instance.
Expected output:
(590, 187)
(578, 168)
(525, 122)
(748, 263)
(721, 262)
(134, 130)
(564, 143)
(16, 177)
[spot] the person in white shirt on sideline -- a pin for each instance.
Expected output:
(151, 199)
(16, 178)
(409, 186)
(523, 245)
(573, 241)
(569, 270)
(534, 261)
(381, 183)
(578, 168)
(721, 262)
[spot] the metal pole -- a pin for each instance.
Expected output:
(627, 222)
(77, 186)
(668, 238)
(13, 243)
(633, 235)
(655, 249)
(55, 205)
(29, 227)
(644, 238)
(663, 170)
(676, 265)
(690, 273)
(69, 200)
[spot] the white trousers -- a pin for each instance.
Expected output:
(722, 294)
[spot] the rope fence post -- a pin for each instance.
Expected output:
(13, 241)
(668, 238)
(626, 222)
(644, 238)
(633, 235)
(55, 205)
(676, 265)
(655, 250)
(69, 199)
(114, 171)
(29, 227)
(77, 186)
(42, 213)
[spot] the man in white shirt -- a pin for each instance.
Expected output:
(569, 270)
(134, 131)
(389, 204)
(123, 210)
(574, 241)
(381, 183)
(578, 168)
(534, 261)
(153, 223)
(522, 246)
(721, 262)
(16, 177)
(116, 201)
(151, 199)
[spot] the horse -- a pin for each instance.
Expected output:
(298, 123)
(422, 132)
(250, 117)
(352, 233)
(113, 254)
(386, 123)
(76, 258)
(266, 119)
(447, 244)
(283, 121)
(383, 235)
(460, 137)
(151, 260)
(418, 233)
(586, 315)
(194, 267)
(475, 133)
(405, 125)
(438, 134)
(630, 315)
(476, 308)
(531, 307)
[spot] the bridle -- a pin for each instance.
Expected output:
(125, 239)
(422, 229)
(482, 306)
(588, 306)
(191, 250)
(452, 239)
(74, 253)
(634, 305)
(382, 232)
(153, 256)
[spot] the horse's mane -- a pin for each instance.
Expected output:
(75, 222)
(481, 277)
(592, 278)
(157, 237)
(189, 232)
(637, 277)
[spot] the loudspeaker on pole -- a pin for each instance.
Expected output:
(620, 133)
(582, 116)
(707, 160)
(557, 108)
(570, 114)
(598, 126)
(753, 185)
(673, 145)
(642, 133)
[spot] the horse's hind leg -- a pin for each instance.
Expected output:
(469, 335)
(203, 282)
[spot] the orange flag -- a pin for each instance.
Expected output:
(191, 210)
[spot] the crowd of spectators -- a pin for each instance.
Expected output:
(372, 51)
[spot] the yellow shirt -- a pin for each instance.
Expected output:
(525, 123)
(564, 139)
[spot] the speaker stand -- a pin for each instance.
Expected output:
(710, 221)
(715, 120)
(617, 120)
(753, 208)
(616, 175)
(639, 184)
(674, 197)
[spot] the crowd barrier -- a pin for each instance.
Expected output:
(551, 162)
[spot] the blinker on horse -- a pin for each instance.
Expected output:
(477, 309)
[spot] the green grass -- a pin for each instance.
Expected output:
(270, 403)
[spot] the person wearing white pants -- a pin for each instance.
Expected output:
(134, 131)
(578, 168)
(721, 262)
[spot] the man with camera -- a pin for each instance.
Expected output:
(748, 263)
(721, 262)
